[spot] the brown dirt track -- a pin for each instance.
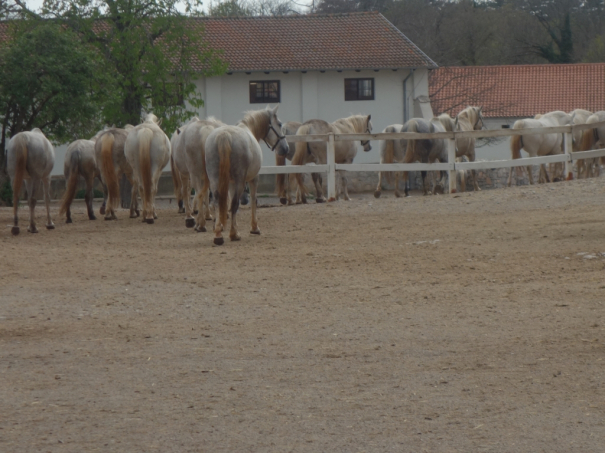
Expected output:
(454, 323)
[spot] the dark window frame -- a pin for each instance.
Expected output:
(265, 98)
(353, 89)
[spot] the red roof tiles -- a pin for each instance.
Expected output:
(312, 42)
(518, 91)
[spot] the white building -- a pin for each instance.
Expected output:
(314, 66)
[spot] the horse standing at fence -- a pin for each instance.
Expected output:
(584, 166)
(391, 151)
(234, 158)
(30, 157)
(594, 138)
(112, 163)
(344, 151)
(538, 144)
(469, 119)
(147, 149)
(80, 160)
(425, 150)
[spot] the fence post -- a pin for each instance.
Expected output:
(451, 158)
(568, 148)
(331, 169)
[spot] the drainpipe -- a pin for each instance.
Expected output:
(406, 112)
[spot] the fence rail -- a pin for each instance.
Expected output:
(567, 157)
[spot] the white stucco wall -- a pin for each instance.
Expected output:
(310, 95)
(496, 149)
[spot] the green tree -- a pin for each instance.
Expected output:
(156, 52)
(49, 80)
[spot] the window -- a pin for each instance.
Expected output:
(264, 91)
(359, 89)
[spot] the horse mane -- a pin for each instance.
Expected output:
(447, 121)
(359, 122)
(257, 121)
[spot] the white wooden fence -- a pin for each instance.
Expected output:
(568, 156)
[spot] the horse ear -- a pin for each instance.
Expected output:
(369, 117)
(275, 109)
(178, 130)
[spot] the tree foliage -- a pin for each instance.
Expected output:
(155, 52)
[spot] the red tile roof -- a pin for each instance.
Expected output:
(518, 91)
(312, 42)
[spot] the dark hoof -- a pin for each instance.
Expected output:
(377, 194)
(149, 221)
(257, 231)
(137, 212)
(15, 231)
(50, 227)
(283, 200)
(304, 201)
(108, 218)
(181, 210)
(201, 229)
(92, 217)
(102, 210)
(196, 212)
(189, 223)
(219, 241)
(320, 200)
(69, 221)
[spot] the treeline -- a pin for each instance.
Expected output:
(467, 32)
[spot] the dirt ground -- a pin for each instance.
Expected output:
(455, 323)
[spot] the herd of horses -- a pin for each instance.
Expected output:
(220, 160)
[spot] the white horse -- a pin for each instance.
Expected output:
(80, 160)
(234, 157)
(344, 151)
(584, 166)
(282, 182)
(594, 138)
(109, 155)
(192, 150)
(147, 149)
(391, 151)
(180, 173)
(538, 144)
(469, 119)
(30, 157)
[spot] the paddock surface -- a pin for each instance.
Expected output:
(456, 323)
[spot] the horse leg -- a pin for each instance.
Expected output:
(423, 174)
(318, 188)
(31, 186)
(397, 176)
(510, 176)
(89, 197)
(104, 204)
(530, 175)
(345, 188)
(377, 192)
(46, 187)
(253, 219)
(238, 190)
(134, 204)
(186, 194)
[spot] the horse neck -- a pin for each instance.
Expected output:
(355, 123)
(257, 124)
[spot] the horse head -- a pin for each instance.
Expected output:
(273, 137)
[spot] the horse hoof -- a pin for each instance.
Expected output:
(201, 229)
(237, 237)
(283, 200)
(320, 200)
(92, 217)
(108, 218)
(149, 221)
(137, 212)
(377, 194)
(257, 231)
(102, 210)
(15, 231)
(219, 241)
(32, 230)
(397, 195)
(181, 210)
(50, 227)
(69, 221)
(189, 223)
(196, 212)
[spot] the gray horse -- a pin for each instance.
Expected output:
(234, 158)
(30, 158)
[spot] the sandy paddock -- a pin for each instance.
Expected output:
(455, 323)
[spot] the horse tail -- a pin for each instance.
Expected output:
(588, 139)
(302, 148)
(72, 182)
(411, 147)
(20, 147)
(223, 144)
(145, 135)
(108, 170)
(516, 143)
(388, 155)
(176, 181)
